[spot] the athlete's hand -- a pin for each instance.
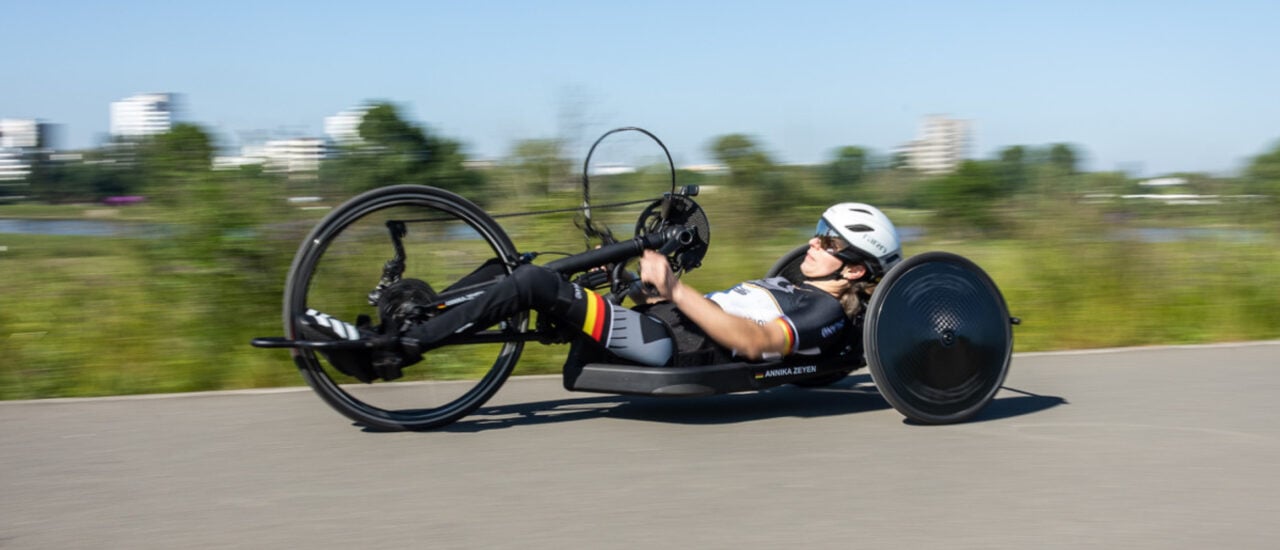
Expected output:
(656, 272)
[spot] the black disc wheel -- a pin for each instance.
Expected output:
(441, 239)
(938, 338)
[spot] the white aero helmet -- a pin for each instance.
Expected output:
(869, 237)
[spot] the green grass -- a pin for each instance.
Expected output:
(96, 316)
(78, 211)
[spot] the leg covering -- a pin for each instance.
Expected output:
(626, 333)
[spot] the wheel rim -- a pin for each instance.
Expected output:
(341, 262)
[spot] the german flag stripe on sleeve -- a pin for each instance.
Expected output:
(790, 333)
(597, 310)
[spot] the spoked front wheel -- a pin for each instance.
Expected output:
(442, 239)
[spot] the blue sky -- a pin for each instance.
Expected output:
(1151, 87)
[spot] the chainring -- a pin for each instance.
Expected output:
(938, 338)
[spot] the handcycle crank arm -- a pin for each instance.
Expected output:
(667, 242)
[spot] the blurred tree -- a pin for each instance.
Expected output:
(394, 151)
(1063, 157)
(1015, 154)
(965, 199)
(890, 188)
(1264, 173)
(184, 148)
(748, 164)
(774, 190)
(899, 161)
(1012, 169)
(170, 162)
(848, 167)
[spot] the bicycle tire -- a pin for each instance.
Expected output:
(938, 338)
(342, 235)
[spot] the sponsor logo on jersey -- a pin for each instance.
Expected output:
(833, 328)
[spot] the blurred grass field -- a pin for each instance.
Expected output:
(88, 316)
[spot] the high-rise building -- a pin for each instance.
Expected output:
(142, 115)
(943, 144)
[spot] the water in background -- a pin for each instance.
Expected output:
(86, 228)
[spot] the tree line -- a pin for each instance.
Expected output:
(979, 195)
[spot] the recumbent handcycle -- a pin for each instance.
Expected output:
(936, 335)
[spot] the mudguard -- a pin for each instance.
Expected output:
(938, 338)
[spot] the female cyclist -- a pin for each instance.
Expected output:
(854, 246)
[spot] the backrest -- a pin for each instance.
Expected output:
(789, 265)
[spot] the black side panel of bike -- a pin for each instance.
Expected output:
(938, 338)
(665, 382)
(592, 371)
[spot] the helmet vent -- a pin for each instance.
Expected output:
(859, 228)
(864, 211)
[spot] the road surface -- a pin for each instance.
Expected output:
(1142, 448)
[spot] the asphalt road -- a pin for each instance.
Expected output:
(1145, 448)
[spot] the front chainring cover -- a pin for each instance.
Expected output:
(678, 210)
(938, 338)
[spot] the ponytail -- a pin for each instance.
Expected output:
(856, 297)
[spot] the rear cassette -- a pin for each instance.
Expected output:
(938, 338)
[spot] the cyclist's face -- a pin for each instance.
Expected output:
(818, 261)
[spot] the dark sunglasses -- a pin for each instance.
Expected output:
(829, 240)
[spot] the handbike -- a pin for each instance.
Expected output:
(936, 334)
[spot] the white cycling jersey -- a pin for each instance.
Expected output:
(813, 320)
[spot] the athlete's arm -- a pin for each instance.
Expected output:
(743, 336)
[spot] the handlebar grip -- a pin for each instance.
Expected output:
(643, 288)
(678, 239)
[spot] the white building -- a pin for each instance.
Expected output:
(344, 128)
(293, 155)
(943, 144)
(20, 141)
(12, 167)
(142, 115)
(21, 133)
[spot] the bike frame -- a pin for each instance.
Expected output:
(666, 242)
